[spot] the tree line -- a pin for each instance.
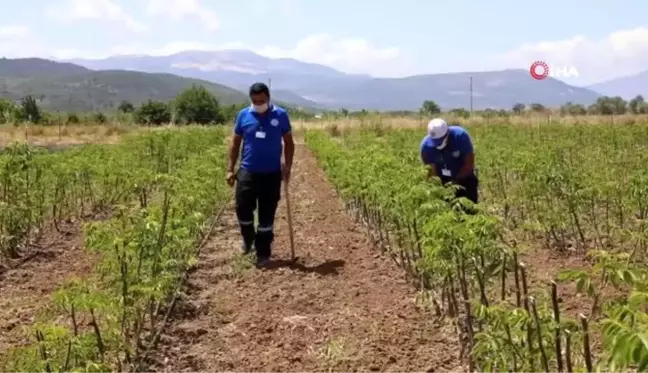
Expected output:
(194, 105)
(604, 105)
(198, 105)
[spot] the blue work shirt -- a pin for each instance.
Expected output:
(262, 138)
(449, 160)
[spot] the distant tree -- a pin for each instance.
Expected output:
(638, 106)
(519, 108)
(344, 112)
(229, 112)
(490, 113)
(126, 107)
(153, 112)
(72, 118)
(539, 108)
(29, 110)
(460, 112)
(609, 106)
(7, 111)
(198, 105)
(99, 118)
(619, 105)
(430, 107)
(593, 109)
(573, 109)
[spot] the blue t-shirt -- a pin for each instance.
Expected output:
(451, 158)
(262, 138)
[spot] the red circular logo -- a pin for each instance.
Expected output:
(539, 70)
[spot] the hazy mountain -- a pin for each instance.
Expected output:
(291, 79)
(234, 68)
(627, 87)
(491, 89)
(68, 87)
(37, 67)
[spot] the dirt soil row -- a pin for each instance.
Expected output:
(344, 307)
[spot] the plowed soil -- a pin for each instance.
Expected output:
(26, 284)
(343, 307)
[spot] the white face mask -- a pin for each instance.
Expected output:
(443, 144)
(261, 108)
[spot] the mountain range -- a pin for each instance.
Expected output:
(626, 87)
(91, 84)
(320, 86)
(70, 87)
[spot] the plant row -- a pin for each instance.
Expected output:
(111, 320)
(468, 265)
(39, 188)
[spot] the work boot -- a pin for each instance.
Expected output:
(262, 261)
(249, 236)
(247, 248)
(263, 244)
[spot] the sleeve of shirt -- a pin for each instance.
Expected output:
(425, 154)
(466, 145)
(238, 126)
(285, 123)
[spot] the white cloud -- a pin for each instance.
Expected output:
(352, 55)
(95, 10)
(348, 55)
(177, 10)
(620, 53)
(139, 49)
(13, 31)
(18, 41)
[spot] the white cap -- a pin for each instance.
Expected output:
(437, 128)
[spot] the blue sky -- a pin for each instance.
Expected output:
(396, 38)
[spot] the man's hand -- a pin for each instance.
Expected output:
(285, 173)
(231, 178)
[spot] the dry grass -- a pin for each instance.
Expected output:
(528, 120)
(336, 127)
(55, 136)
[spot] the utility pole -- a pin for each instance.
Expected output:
(471, 96)
(270, 83)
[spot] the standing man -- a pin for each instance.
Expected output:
(448, 150)
(261, 127)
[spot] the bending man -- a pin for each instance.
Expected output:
(448, 150)
(262, 128)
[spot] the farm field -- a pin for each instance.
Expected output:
(561, 235)
(146, 202)
(125, 256)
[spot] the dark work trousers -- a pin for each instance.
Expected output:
(470, 187)
(264, 191)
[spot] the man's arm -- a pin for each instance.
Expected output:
(234, 151)
(289, 143)
(427, 160)
(235, 144)
(468, 166)
(466, 148)
(431, 171)
(289, 149)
